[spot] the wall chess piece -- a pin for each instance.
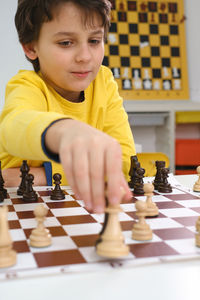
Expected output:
(57, 193)
(152, 209)
(40, 236)
(165, 186)
(141, 230)
(29, 194)
(8, 256)
(111, 242)
(24, 169)
(196, 187)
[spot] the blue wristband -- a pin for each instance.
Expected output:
(48, 171)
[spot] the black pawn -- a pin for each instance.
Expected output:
(57, 193)
(139, 183)
(165, 186)
(1, 196)
(134, 165)
(24, 171)
(3, 191)
(29, 194)
(158, 178)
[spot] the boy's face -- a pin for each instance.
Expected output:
(70, 52)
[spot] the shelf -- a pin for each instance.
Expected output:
(162, 115)
(147, 119)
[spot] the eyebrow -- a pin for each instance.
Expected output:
(65, 33)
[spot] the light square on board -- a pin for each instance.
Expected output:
(59, 243)
(83, 229)
(72, 211)
(178, 212)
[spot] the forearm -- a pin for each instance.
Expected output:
(27, 133)
(12, 177)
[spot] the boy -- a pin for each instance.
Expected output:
(67, 111)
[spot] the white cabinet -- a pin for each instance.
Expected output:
(153, 124)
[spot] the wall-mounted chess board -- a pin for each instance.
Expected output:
(146, 49)
(74, 233)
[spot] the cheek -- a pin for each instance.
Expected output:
(100, 55)
(57, 56)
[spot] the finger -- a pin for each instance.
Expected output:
(113, 172)
(127, 196)
(66, 161)
(97, 165)
(81, 174)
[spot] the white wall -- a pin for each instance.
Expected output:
(192, 8)
(12, 58)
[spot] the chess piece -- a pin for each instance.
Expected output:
(7, 254)
(29, 194)
(163, 6)
(143, 6)
(158, 178)
(57, 193)
(197, 234)
(198, 224)
(111, 242)
(121, 6)
(196, 187)
(138, 184)
(24, 169)
(3, 191)
(40, 236)
(152, 209)
(1, 196)
(141, 230)
(164, 186)
(134, 165)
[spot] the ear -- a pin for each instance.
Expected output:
(29, 50)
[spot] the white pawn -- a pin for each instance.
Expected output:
(197, 235)
(198, 224)
(152, 209)
(40, 236)
(196, 187)
(8, 256)
(141, 230)
(112, 241)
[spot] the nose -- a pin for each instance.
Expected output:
(84, 53)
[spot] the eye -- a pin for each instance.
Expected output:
(95, 41)
(65, 43)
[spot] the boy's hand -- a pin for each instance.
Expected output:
(88, 156)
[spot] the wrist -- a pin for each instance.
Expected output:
(54, 133)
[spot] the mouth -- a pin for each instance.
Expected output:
(81, 74)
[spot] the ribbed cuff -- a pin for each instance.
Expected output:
(48, 171)
(49, 154)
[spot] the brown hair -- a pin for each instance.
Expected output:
(31, 14)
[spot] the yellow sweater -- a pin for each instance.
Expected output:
(31, 105)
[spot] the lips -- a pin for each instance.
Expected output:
(81, 74)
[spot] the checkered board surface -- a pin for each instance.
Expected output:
(146, 49)
(74, 232)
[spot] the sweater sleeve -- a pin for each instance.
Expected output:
(116, 122)
(25, 117)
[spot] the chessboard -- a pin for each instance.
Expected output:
(146, 49)
(75, 231)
